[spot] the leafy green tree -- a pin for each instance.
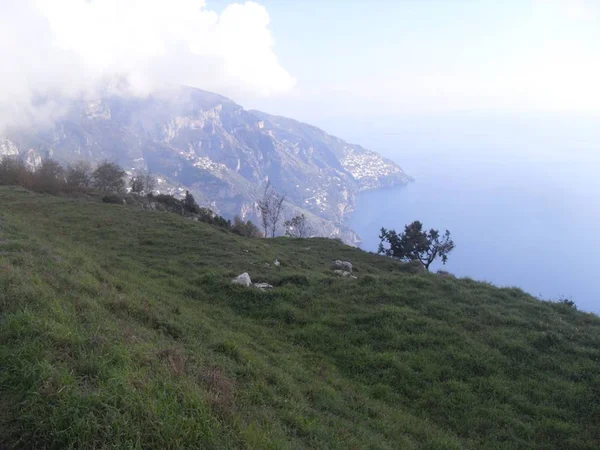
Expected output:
(108, 177)
(414, 244)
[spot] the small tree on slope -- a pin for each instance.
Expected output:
(108, 177)
(271, 208)
(414, 244)
(142, 183)
(298, 227)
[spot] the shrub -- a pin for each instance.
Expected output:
(143, 183)
(79, 176)
(169, 201)
(568, 302)
(49, 177)
(446, 274)
(298, 227)
(108, 177)
(13, 171)
(247, 229)
(113, 198)
(208, 216)
(189, 203)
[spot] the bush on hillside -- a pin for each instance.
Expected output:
(189, 203)
(49, 177)
(13, 171)
(113, 198)
(568, 302)
(109, 177)
(247, 229)
(142, 183)
(78, 176)
(298, 227)
(208, 216)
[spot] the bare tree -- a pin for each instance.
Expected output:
(142, 183)
(149, 182)
(270, 207)
(298, 227)
(79, 175)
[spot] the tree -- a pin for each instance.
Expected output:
(414, 244)
(298, 227)
(49, 177)
(79, 176)
(270, 208)
(189, 203)
(108, 177)
(142, 183)
(13, 171)
(247, 229)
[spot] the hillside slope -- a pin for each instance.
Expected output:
(120, 329)
(197, 140)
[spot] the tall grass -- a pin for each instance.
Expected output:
(120, 329)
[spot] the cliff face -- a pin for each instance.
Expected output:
(197, 140)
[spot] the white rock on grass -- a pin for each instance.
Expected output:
(263, 286)
(344, 273)
(342, 265)
(243, 280)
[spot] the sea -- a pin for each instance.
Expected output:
(519, 194)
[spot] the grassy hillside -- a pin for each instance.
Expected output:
(120, 329)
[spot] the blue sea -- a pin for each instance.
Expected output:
(520, 195)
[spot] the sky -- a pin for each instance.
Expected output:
(308, 58)
(427, 56)
(67, 48)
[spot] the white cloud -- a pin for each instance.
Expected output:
(69, 46)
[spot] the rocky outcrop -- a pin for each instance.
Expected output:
(342, 265)
(344, 274)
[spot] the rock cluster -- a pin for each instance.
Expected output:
(342, 265)
(245, 280)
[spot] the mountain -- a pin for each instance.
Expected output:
(222, 153)
(121, 329)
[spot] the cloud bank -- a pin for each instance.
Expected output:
(67, 48)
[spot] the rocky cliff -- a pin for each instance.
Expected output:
(224, 154)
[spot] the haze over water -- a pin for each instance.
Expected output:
(519, 195)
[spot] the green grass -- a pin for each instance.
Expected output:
(120, 329)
